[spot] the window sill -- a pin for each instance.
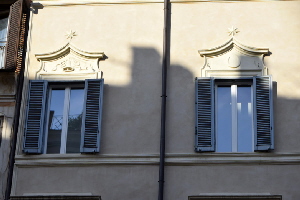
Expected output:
(153, 159)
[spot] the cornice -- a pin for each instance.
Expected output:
(37, 3)
(68, 48)
(230, 44)
(195, 159)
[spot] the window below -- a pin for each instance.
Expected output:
(234, 115)
(55, 197)
(236, 197)
(64, 117)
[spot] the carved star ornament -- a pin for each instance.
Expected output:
(71, 34)
(232, 31)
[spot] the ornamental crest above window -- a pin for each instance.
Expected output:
(233, 59)
(69, 61)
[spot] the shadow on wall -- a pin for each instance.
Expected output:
(131, 114)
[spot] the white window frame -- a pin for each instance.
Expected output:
(36, 111)
(234, 109)
(64, 131)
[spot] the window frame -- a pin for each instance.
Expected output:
(233, 83)
(67, 86)
(205, 139)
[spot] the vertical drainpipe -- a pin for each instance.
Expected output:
(165, 63)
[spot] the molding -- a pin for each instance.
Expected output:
(69, 63)
(233, 59)
(230, 44)
(37, 3)
(52, 160)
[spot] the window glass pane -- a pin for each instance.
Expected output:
(75, 119)
(224, 119)
(3, 38)
(244, 117)
(55, 121)
(3, 30)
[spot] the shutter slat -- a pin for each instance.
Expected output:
(35, 117)
(90, 139)
(264, 137)
(14, 27)
(204, 115)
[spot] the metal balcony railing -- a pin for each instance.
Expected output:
(74, 122)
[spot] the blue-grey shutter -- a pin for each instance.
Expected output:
(204, 130)
(263, 113)
(91, 120)
(35, 116)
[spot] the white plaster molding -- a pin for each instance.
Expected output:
(233, 43)
(69, 63)
(233, 59)
(36, 3)
(47, 160)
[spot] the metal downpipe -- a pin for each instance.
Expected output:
(165, 64)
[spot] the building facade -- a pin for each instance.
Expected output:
(90, 115)
(13, 33)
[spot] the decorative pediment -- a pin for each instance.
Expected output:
(69, 62)
(234, 59)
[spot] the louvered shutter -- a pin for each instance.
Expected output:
(263, 113)
(204, 130)
(36, 110)
(91, 121)
(15, 16)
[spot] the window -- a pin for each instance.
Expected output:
(3, 39)
(55, 197)
(13, 28)
(234, 115)
(64, 117)
(236, 197)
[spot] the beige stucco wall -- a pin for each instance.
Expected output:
(131, 37)
(195, 26)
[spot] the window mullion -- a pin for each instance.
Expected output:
(65, 121)
(48, 123)
(234, 118)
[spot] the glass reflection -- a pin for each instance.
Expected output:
(75, 121)
(224, 119)
(55, 121)
(244, 108)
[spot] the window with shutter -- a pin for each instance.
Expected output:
(234, 115)
(64, 117)
(13, 28)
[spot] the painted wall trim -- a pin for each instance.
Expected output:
(153, 159)
(94, 2)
